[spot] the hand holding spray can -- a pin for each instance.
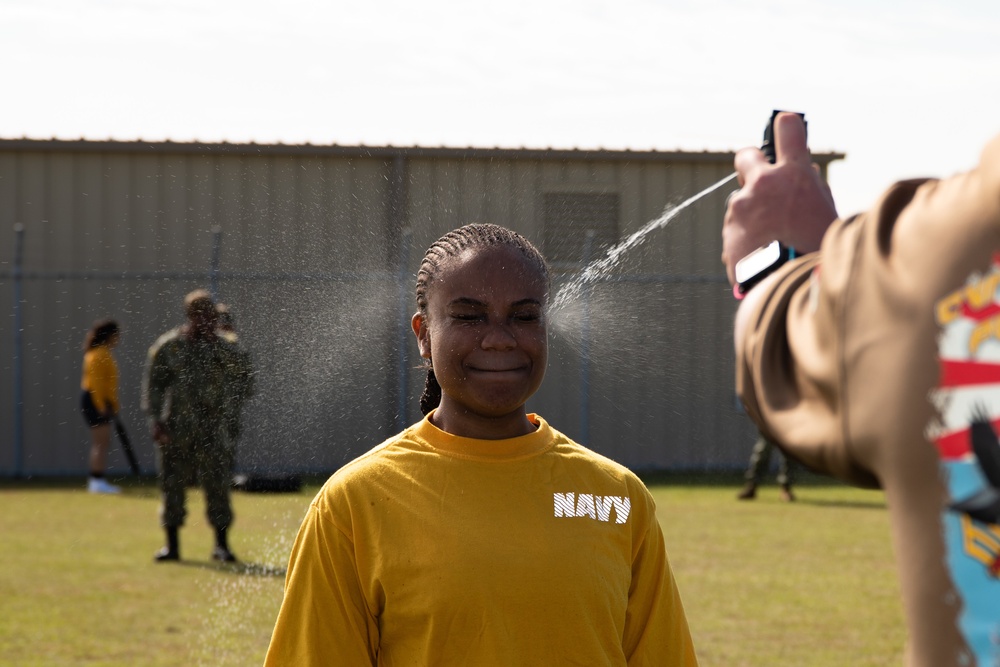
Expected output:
(765, 260)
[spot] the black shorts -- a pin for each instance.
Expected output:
(91, 414)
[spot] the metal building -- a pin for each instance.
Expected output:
(315, 248)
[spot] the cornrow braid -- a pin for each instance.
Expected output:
(431, 396)
(475, 235)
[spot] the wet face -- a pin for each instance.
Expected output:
(485, 335)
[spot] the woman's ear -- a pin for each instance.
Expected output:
(419, 325)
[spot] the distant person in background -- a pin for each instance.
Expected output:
(760, 461)
(192, 374)
(99, 398)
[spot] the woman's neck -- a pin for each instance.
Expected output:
(468, 425)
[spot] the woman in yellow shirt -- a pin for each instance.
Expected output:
(481, 535)
(99, 401)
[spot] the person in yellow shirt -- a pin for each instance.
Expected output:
(481, 535)
(99, 399)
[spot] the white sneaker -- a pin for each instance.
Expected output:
(96, 485)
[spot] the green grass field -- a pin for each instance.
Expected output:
(764, 583)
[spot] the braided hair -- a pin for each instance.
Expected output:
(475, 235)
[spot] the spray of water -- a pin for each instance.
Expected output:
(601, 268)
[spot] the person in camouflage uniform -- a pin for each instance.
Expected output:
(193, 379)
(760, 461)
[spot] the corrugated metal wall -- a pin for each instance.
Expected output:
(315, 252)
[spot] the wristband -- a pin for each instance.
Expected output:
(759, 264)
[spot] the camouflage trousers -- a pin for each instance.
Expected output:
(760, 461)
(204, 459)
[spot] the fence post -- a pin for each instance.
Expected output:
(396, 213)
(213, 271)
(588, 249)
(18, 278)
(403, 330)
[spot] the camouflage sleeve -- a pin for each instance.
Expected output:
(248, 382)
(239, 386)
(155, 381)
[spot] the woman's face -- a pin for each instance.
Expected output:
(485, 335)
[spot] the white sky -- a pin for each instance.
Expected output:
(904, 87)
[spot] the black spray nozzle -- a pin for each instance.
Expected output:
(768, 146)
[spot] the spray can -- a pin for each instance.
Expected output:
(768, 147)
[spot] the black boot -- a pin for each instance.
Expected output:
(172, 550)
(221, 551)
(748, 492)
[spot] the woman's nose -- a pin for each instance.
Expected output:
(499, 337)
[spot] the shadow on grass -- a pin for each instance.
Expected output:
(145, 485)
(725, 478)
(133, 486)
(241, 569)
(854, 504)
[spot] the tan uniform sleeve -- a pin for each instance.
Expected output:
(788, 374)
